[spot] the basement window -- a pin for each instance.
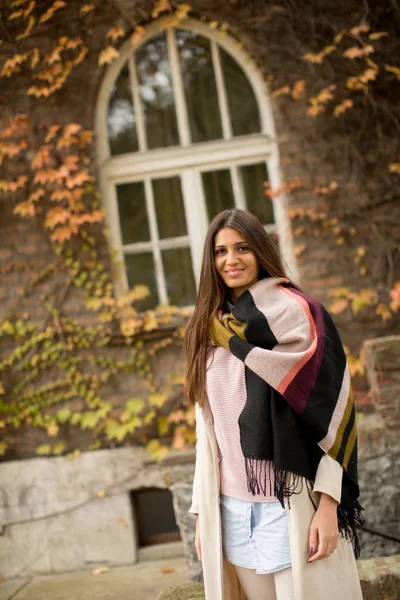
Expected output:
(154, 516)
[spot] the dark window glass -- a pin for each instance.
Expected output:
(178, 271)
(156, 93)
(140, 269)
(121, 120)
(133, 213)
(199, 85)
(170, 212)
(218, 191)
(253, 177)
(242, 102)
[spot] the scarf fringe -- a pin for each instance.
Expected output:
(287, 483)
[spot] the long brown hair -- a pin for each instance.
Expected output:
(212, 291)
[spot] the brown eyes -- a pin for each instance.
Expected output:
(240, 249)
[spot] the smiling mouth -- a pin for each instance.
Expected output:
(234, 271)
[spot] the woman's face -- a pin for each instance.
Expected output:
(235, 261)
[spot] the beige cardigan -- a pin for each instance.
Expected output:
(331, 578)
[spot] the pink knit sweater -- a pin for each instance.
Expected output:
(226, 389)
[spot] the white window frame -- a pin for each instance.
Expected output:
(188, 161)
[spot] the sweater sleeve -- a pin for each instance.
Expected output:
(329, 478)
(194, 508)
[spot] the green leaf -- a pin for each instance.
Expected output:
(58, 448)
(3, 448)
(63, 414)
(158, 399)
(134, 405)
(43, 449)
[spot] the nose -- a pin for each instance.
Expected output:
(231, 258)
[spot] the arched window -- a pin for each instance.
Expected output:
(184, 131)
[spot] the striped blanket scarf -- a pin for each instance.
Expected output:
(299, 402)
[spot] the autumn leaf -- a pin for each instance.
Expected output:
(107, 55)
(298, 89)
(25, 209)
(137, 35)
(100, 570)
(394, 167)
(280, 91)
(160, 6)
(168, 570)
(58, 448)
(162, 426)
(395, 296)
(16, 14)
(378, 35)
(392, 69)
(50, 12)
(313, 111)
(12, 65)
(357, 52)
(383, 311)
(52, 430)
(338, 306)
(56, 216)
(51, 132)
(61, 234)
(158, 399)
(30, 8)
(27, 31)
(182, 11)
(363, 28)
(3, 448)
(339, 36)
(43, 449)
(114, 34)
(84, 10)
(319, 57)
(342, 107)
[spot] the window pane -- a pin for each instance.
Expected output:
(156, 93)
(121, 118)
(243, 105)
(140, 270)
(218, 191)
(178, 271)
(253, 177)
(169, 207)
(133, 213)
(199, 85)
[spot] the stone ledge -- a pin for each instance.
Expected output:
(380, 580)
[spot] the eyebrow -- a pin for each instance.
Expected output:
(236, 244)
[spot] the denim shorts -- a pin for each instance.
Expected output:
(255, 534)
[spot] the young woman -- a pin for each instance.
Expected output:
(275, 488)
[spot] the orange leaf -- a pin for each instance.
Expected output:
(342, 107)
(394, 167)
(30, 8)
(78, 179)
(283, 90)
(167, 570)
(137, 35)
(298, 89)
(57, 216)
(25, 209)
(12, 65)
(73, 44)
(107, 55)
(50, 12)
(363, 28)
(62, 233)
(35, 58)
(338, 306)
(51, 132)
(160, 6)
(80, 56)
(378, 35)
(87, 8)
(115, 33)
(60, 194)
(16, 14)
(39, 193)
(356, 52)
(313, 111)
(383, 311)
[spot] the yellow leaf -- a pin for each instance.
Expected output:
(27, 31)
(361, 251)
(299, 249)
(162, 426)
(378, 35)
(87, 8)
(107, 55)
(52, 430)
(213, 25)
(392, 69)
(58, 448)
(3, 448)
(394, 167)
(43, 449)
(158, 399)
(182, 11)
(340, 241)
(339, 36)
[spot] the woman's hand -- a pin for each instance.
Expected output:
(197, 539)
(324, 532)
